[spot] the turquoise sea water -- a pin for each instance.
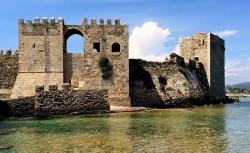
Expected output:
(221, 128)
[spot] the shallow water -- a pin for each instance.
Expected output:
(222, 128)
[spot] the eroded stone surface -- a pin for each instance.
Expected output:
(166, 84)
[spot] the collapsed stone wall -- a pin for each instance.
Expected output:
(57, 102)
(166, 84)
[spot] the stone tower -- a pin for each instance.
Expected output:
(208, 49)
(43, 57)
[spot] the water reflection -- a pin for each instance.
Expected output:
(174, 130)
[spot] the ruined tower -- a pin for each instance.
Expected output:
(208, 49)
(43, 57)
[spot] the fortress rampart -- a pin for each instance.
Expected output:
(42, 59)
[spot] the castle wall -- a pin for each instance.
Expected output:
(83, 71)
(26, 82)
(9, 70)
(163, 84)
(209, 49)
(56, 102)
(68, 101)
(217, 71)
(196, 46)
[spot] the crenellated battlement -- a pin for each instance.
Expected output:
(8, 52)
(101, 22)
(43, 21)
(60, 20)
(44, 61)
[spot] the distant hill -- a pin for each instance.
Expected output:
(245, 85)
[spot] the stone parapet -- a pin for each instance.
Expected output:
(57, 102)
(71, 102)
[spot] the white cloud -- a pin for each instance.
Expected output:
(226, 33)
(147, 42)
(237, 71)
(176, 49)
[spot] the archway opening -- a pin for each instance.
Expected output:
(116, 47)
(74, 41)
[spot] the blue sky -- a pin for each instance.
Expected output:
(176, 18)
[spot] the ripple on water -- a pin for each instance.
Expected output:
(205, 129)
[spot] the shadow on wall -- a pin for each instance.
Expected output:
(142, 89)
(198, 70)
(144, 92)
(17, 107)
(68, 67)
(5, 110)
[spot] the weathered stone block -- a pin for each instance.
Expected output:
(66, 86)
(53, 88)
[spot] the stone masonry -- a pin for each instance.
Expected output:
(172, 83)
(8, 69)
(56, 102)
(43, 60)
(43, 57)
(208, 49)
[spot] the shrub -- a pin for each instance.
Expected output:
(106, 68)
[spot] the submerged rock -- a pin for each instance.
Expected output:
(5, 147)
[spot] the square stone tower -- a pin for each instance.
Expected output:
(40, 47)
(208, 49)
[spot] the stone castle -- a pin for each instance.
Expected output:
(43, 61)
(43, 57)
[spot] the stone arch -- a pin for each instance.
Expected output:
(116, 47)
(69, 54)
(70, 32)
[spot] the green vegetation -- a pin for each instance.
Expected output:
(238, 90)
(106, 68)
